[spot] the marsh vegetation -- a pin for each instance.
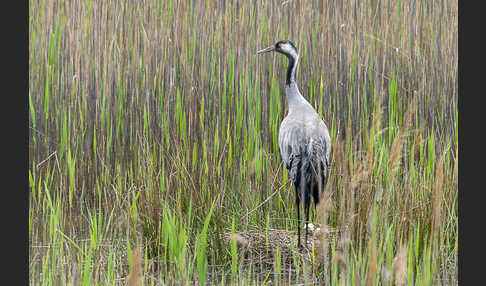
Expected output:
(154, 135)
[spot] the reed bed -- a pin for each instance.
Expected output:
(154, 131)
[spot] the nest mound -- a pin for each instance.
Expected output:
(259, 247)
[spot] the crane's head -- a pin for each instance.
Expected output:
(285, 47)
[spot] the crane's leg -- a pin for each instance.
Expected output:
(297, 200)
(307, 207)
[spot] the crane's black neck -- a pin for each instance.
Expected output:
(291, 70)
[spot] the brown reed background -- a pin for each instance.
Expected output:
(146, 111)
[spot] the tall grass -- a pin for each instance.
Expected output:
(155, 120)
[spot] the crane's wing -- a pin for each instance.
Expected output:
(303, 142)
(321, 147)
(292, 144)
(320, 151)
(291, 139)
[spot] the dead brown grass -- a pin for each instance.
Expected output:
(400, 266)
(135, 276)
(256, 248)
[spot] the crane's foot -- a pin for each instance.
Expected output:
(299, 244)
(302, 247)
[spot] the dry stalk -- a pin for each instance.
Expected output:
(136, 268)
(400, 266)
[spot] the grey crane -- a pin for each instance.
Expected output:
(303, 139)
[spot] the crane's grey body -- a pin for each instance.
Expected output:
(303, 133)
(304, 140)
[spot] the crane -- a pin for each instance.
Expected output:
(304, 141)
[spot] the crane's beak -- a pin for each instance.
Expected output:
(266, 50)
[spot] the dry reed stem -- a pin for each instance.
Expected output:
(398, 142)
(321, 237)
(361, 173)
(372, 267)
(136, 268)
(400, 266)
(437, 192)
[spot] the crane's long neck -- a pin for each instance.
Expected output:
(294, 97)
(293, 60)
